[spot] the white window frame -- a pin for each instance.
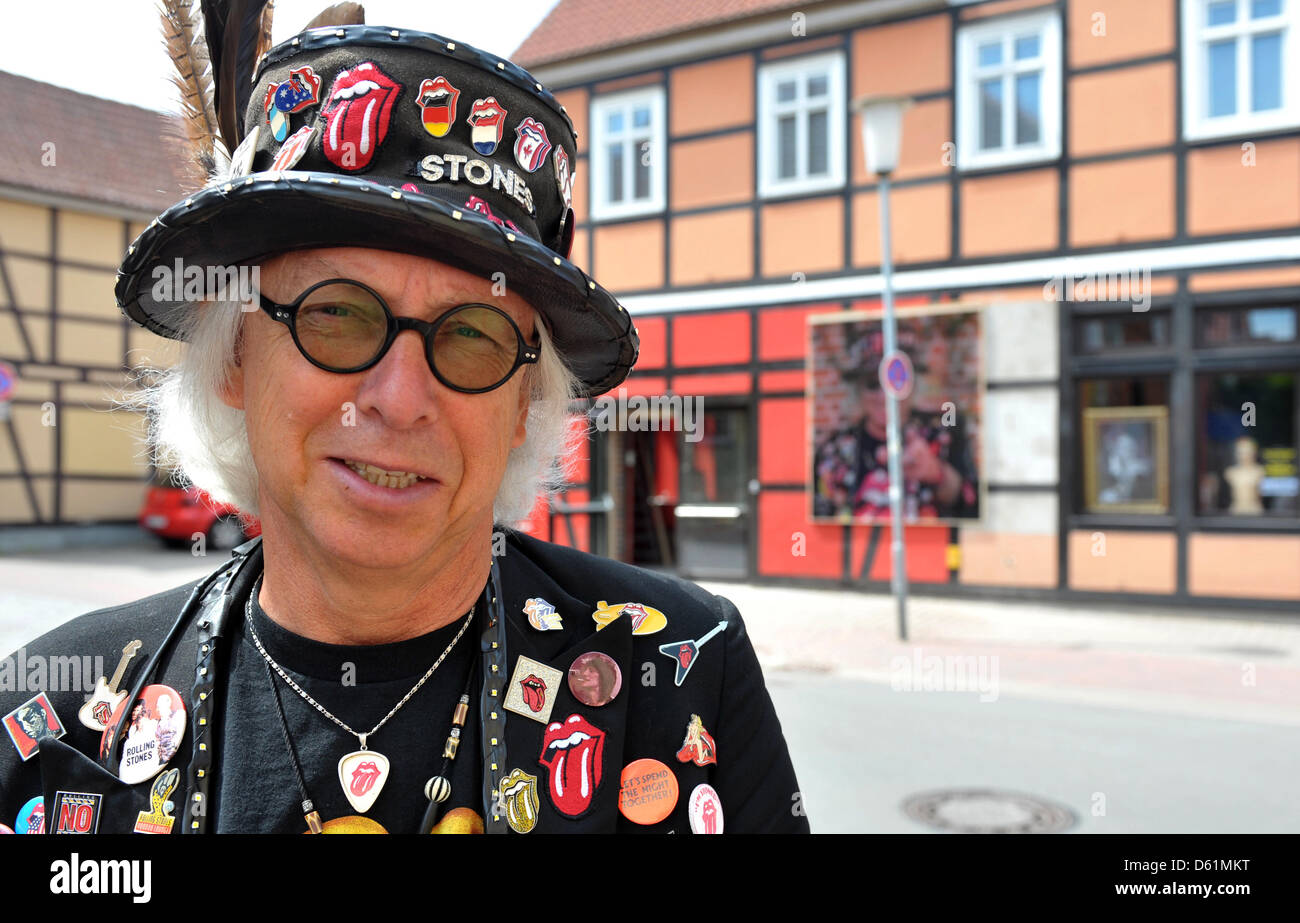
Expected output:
(601, 106)
(769, 184)
(1047, 26)
(1196, 39)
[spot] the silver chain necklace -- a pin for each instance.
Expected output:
(362, 773)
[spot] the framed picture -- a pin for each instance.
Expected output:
(940, 420)
(1126, 459)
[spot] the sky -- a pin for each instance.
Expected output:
(114, 48)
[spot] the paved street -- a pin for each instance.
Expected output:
(1135, 721)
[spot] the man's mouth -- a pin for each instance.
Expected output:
(360, 103)
(382, 477)
(573, 751)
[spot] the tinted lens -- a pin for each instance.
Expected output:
(342, 326)
(475, 347)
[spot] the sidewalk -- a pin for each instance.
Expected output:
(1235, 668)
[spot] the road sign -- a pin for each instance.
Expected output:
(896, 375)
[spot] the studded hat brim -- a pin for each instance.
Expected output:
(259, 215)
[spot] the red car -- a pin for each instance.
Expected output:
(175, 513)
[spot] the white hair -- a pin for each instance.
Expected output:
(197, 434)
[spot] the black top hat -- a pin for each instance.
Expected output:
(398, 140)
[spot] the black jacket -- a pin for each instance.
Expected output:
(753, 775)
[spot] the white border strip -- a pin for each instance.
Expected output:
(1156, 259)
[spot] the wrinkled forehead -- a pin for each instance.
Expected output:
(412, 285)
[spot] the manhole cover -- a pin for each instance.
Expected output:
(987, 811)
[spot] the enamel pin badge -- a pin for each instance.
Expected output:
(95, 713)
(32, 722)
(685, 653)
(533, 688)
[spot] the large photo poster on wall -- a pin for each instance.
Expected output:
(940, 420)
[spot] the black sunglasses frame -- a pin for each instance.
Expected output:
(525, 353)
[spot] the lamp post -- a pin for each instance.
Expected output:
(882, 129)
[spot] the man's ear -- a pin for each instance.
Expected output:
(231, 391)
(521, 416)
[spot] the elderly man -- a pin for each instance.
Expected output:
(388, 656)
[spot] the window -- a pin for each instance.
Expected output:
(628, 153)
(801, 119)
(1104, 334)
(1124, 424)
(1240, 66)
(1009, 91)
(1247, 450)
(1246, 326)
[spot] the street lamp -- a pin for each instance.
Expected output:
(882, 130)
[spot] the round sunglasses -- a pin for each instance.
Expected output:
(345, 326)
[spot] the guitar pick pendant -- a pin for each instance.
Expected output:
(362, 774)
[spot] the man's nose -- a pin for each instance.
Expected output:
(401, 388)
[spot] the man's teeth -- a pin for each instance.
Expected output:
(383, 478)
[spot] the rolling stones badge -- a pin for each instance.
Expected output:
(564, 176)
(698, 747)
(541, 614)
(487, 119)
(532, 689)
(595, 679)
(155, 726)
(437, 101)
(531, 144)
(647, 791)
(573, 750)
(32, 722)
(31, 816)
(705, 810)
(519, 798)
(362, 773)
(645, 620)
(77, 812)
(159, 818)
(357, 114)
(301, 90)
(292, 150)
(685, 653)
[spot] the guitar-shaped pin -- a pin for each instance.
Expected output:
(95, 713)
(684, 653)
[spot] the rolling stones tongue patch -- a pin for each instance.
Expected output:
(356, 115)
(532, 689)
(573, 751)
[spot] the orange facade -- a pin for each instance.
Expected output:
(1125, 177)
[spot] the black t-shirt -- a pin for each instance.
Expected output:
(359, 685)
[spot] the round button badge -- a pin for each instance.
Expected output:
(595, 679)
(705, 810)
(155, 726)
(648, 791)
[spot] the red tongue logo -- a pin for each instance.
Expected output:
(101, 712)
(573, 752)
(363, 777)
(534, 691)
(356, 117)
